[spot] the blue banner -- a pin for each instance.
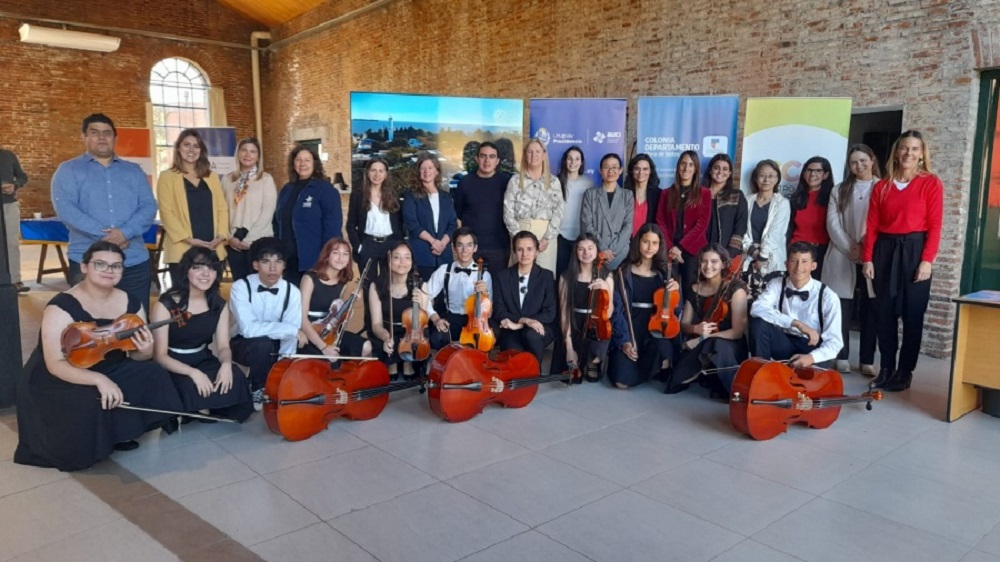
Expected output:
(595, 126)
(221, 143)
(667, 126)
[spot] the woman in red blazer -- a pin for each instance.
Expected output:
(683, 215)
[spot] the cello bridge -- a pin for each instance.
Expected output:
(342, 397)
(496, 385)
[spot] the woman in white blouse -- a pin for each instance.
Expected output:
(374, 221)
(534, 202)
(575, 182)
(767, 226)
(845, 221)
(252, 196)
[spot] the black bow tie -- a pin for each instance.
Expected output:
(263, 289)
(789, 293)
(465, 270)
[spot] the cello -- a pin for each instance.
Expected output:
(85, 344)
(598, 320)
(414, 345)
(477, 332)
(463, 381)
(664, 322)
(768, 396)
(312, 392)
(331, 327)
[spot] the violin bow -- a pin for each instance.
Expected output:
(628, 311)
(128, 406)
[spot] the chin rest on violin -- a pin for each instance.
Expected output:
(768, 396)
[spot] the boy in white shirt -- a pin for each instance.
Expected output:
(455, 283)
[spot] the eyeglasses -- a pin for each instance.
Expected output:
(813, 171)
(766, 177)
(613, 170)
(102, 266)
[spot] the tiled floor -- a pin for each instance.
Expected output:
(587, 473)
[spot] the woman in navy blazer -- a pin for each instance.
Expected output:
(308, 212)
(429, 217)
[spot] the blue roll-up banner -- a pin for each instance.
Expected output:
(221, 143)
(667, 126)
(595, 126)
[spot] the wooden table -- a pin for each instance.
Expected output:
(975, 363)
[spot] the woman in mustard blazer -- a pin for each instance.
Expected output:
(193, 208)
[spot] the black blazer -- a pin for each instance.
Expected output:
(539, 302)
(357, 217)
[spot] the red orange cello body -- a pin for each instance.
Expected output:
(768, 396)
(463, 381)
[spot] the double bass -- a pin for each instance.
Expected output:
(768, 396)
(304, 395)
(664, 322)
(331, 327)
(414, 345)
(477, 332)
(85, 344)
(598, 321)
(463, 381)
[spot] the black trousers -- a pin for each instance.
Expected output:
(771, 342)
(240, 264)
(710, 353)
(525, 339)
(896, 259)
(652, 353)
(817, 274)
(257, 354)
(866, 319)
(456, 322)
(689, 269)
(495, 259)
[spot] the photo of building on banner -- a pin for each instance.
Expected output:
(669, 125)
(221, 144)
(396, 127)
(791, 131)
(595, 126)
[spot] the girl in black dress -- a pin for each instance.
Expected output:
(328, 280)
(205, 381)
(712, 346)
(68, 417)
(631, 363)
(395, 286)
(582, 348)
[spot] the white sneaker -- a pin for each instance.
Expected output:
(869, 370)
(843, 366)
(258, 399)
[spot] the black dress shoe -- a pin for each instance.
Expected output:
(899, 382)
(127, 446)
(675, 389)
(884, 375)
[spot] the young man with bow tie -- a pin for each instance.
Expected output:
(454, 283)
(267, 314)
(797, 317)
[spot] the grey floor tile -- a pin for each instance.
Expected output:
(47, 514)
(8, 443)
(744, 504)
(790, 462)
(617, 456)
(953, 510)
(265, 452)
(629, 526)
(980, 556)
(449, 450)
(535, 426)
(991, 542)
(752, 551)
(316, 543)
(964, 451)
(118, 541)
(185, 435)
(18, 477)
(435, 524)
(697, 432)
(250, 512)
(826, 531)
(349, 481)
(527, 547)
(598, 403)
(533, 488)
(406, 413)
(185, 470)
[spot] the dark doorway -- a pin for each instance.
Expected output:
(878, 129)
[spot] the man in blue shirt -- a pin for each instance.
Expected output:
(99, 196)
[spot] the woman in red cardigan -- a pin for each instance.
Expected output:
(809, 202)
(902, 239)
(683, 215)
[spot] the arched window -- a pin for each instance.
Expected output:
(179, 92)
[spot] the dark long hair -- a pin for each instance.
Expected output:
(847, 186)
(572, 273)
(800, 197)
(660, 262)
(654, 179)
(722, 157)
(317, 174)
(563, 174)
(385, 276)
(390, 198)
(180, 293)
(694, 190)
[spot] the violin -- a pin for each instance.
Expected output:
(716, 308)
(463, 381)
(477, 332)
(313, 392)
(85, 344)
(664, 322)
(768, 396)
(414, 345)
(598, 321)
(331, 327)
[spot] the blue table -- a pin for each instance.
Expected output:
(51, 231)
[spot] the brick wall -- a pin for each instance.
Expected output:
(918, 54)
(46, 92)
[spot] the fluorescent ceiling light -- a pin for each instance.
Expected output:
(68, 39)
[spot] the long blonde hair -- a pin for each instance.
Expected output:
(235, 174)
(545, 164)
(924, 166)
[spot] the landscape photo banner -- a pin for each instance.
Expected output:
(595, 126)
(790, 131)
(397, 127)
(221, 144)
(670, 125)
